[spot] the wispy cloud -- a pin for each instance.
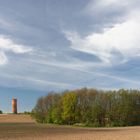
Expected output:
(8, 45)
(85, 50)
(105, 9)
(83, 68)
(117, 43)
(28, 81)
(5, 24)
(3, 58)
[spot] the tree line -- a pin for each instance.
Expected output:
(89, 107)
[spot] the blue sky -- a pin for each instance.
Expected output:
(53, 45)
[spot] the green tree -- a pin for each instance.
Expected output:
(90, 107)
(1, 112)
(39, 112)
(69, 103)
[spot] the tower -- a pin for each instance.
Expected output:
(14, 106)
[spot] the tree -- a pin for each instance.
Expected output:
(1, 112)
(39, 112)
(69, 102)
(90, 107)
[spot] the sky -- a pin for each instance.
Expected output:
(54, 45)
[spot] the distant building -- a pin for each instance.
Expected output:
(14, 106)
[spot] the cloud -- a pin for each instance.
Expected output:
(5, 24)
(110, 8)
(8, 45)
(3, 58)
(15, 80)
(83, 73)
(116, 44)
(108, 30)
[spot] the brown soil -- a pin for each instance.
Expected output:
(19, 118)
(22, 127)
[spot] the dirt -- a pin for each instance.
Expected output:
(15, 118)
(24, 128)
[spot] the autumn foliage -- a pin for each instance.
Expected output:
(89, 107)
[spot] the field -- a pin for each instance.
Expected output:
(22, 127)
